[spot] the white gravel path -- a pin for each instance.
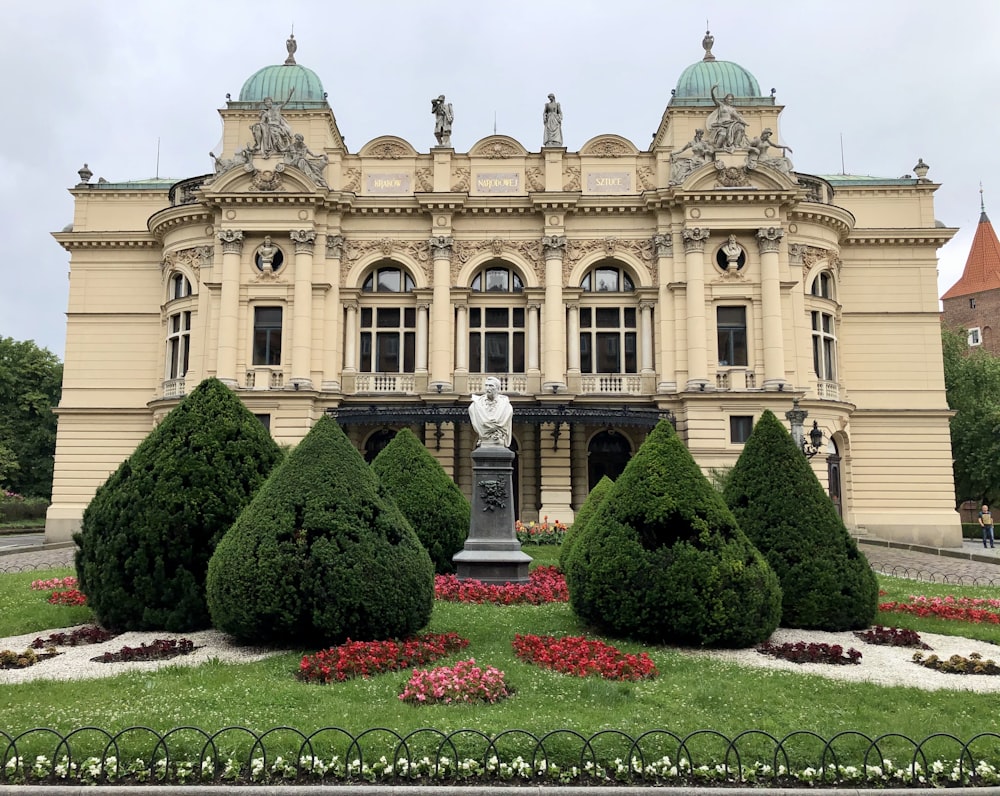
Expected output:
(880, 665)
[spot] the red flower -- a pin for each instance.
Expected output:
(367, 658)
(545, 585)
(577, 656)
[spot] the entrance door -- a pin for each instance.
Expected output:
(607, 455)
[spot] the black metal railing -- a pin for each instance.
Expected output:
(931, 576)
(92, 755)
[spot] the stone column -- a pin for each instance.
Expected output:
(351, 337)
(769, 241)
(554, 326)
(304, 240)
(646, 336)
(420, 365)
(663, 245)
(441, 314)
(461, 338)
(694, 259)
(333, 314)
(573, 341)
(531, 343)
(229, 305)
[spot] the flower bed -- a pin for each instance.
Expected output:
(22, 660)
(54, 583)
(540, 533)
(367, 658)
(577, 656)
(956, 664)
(88, 634)
(803, 652)
(545, 585)
(69, 597)
(892, 637)
(962, 609)
(465, 682)
(160, 649)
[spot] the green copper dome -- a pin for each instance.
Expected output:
(695, 84)
(276, 81)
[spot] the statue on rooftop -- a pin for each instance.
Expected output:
(757, 153)
(291, 46)
(300, 156)
(272, 133)
(701, 153)
(552, 118)
(444, 115)
(727, 129)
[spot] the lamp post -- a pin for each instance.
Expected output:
(796, 417)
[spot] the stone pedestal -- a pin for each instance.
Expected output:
(492, 553)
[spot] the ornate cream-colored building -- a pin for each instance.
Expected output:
(701, 278)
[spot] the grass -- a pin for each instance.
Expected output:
(690, 694)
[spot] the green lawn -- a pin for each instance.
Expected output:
(690, 693)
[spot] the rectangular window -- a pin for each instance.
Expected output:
(731, 325)
(496, 352)
(265, 421)
(740, 427)
(267, 336)
(974, 337)
(608, 354)
(972, 303)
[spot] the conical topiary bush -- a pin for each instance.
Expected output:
(320, 555)
(428, 498)
(148, 533)
(826, 581)
(590, 506)
(663, 559)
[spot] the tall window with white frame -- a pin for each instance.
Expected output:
(178, 346)
(731, 329)
(388, 321)
(608, 321)
(497, 321)
(824, 346)
(267, 336)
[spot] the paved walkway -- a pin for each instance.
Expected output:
(972, 565)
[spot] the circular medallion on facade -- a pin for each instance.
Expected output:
(230, 214)
(695, 212)
(769, 212)
(209, 231)
(442, 221)
(793, 228)
(553, 220)
(303, 215)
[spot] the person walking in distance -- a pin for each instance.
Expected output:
(986, 521)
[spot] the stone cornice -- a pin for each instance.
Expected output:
(103, 240)
(826, 215)
(182, 215)
(934, 236)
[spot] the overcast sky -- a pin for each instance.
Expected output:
(102, 82)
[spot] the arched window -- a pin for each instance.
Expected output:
(179, 318)
(180, 287)
(497, 321)
(609, 333)
(822, 286)
(607, 455)
(388, 321)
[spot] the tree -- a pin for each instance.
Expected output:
(589, 508)
(322, 554)
(30, 386)
(149, 532)
(663, 559)
(428, 498)
(826, 582)
(972, 381)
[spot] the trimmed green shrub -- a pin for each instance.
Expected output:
(663, 559)
(148, 533)
(826, 581)
(428, 498)
(593, 502)
(320, 555)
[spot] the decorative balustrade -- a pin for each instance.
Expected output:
(614, 383)
(174, 388)
(735, 380)
(828, 390)
(264, 379)
(509, 383)
(384, 383)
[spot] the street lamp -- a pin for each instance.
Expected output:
(796, 417)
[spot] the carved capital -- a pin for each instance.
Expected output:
(304, 240)
(441, 247)
(335, 246)
(769, 238)
(554, 246)
(664, 245)
(647, 305)
(695, 238)
(232, 240)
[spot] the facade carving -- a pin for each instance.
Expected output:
(461, 180)
(571, 178)
(533, 176)
(352, 180)
(425, 180)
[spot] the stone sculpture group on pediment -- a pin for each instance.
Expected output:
(725, 131)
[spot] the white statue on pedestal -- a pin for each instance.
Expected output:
(491, 414)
